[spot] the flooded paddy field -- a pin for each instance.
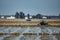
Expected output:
(29, 33)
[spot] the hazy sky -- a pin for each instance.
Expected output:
(45, 7)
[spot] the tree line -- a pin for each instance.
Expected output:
(22, 15)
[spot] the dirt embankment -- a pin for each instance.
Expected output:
(53, 22)
(24, 22)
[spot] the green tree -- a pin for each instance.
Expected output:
(22, 15)
(33, 16)
(28, 15)
(39, 16)
(17, 15)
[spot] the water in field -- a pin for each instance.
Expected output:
(34, 30)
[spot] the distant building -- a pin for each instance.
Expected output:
(11, 17)
(2, 16)
(30, 17)
(7, 16)
(26, 17)
(44, 17)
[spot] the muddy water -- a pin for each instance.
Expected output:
(29, 33)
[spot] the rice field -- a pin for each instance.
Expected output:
(29, 33)
(11, 29)
(24, 22)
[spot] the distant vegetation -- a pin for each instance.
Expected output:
(22, 15)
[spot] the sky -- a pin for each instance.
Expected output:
(33, 7)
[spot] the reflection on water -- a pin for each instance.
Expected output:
(22, 30)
